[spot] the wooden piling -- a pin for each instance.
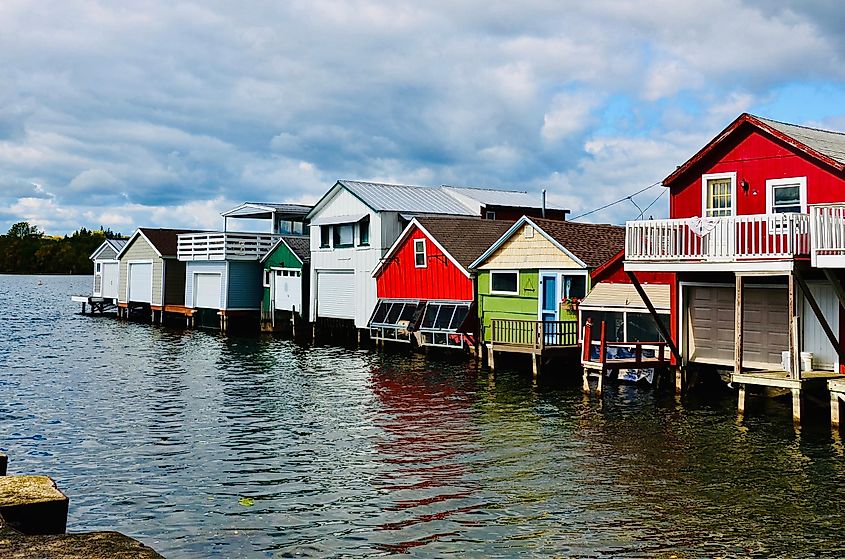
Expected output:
(740, 405)
(796, 406)
(834, 410)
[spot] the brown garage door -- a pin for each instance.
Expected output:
(711, 326)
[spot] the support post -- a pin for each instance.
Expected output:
(585, 386)
(834, 410)
(536, 363)
(740, 404)
(653, 312)
(679, 381)
(491, 360)
(738, 323)
(796, 406)
(602, 357)
(794, 350)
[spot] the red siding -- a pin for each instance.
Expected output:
(755, 157)
(439, 280)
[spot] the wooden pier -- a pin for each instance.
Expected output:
(538, 338)
(98, 304)
(808, 380)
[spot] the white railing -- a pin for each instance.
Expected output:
(719, 239)
(827, 233)
(224, 246)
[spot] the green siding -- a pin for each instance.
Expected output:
(281, 257)
(515, 307)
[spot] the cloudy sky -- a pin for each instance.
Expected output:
(164, 113)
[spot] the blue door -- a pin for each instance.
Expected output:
(549, 307)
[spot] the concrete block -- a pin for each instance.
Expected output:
(33, 505)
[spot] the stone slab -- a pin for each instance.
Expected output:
(33, 505)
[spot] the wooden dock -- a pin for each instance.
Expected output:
(808, 380)
(538, 338)
(97, 304)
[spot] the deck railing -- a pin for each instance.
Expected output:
(744, 237)
(535, 334)
(827, 232)
(224, 246)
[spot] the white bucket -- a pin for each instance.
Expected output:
(806, 360)
(785, 361)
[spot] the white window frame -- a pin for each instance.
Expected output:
(712, 176)
(770, 192)
(268, 273)
(420, 243)
(494, 292)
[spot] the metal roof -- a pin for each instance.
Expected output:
(117, 244)
(494, 197)
(258, 210)
(383, 197)
(826, 142)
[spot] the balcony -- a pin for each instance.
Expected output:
(827, 236)
(224, 246)
(753, 242)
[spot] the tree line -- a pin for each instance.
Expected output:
(27, 250)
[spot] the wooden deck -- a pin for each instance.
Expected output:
(537, 338)
(836, 386)
(819, 380)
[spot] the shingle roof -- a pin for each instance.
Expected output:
(301, 246)
(826, 142)
(404, 198)
(164, 240)
(593, 243)
(464, 238)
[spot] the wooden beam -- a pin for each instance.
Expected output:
(739, 308)
(819, 316)
(792, 330)
(660, 326)
(837, 286)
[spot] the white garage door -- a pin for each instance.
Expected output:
(207, 291)
(110, 275)
(140, 282)
(711, 326)
(336, 295)
(287, 291)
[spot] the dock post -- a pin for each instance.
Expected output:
(536, 365)
(679, 381)
(796, 406)
(491, 360)
(585, 387)
(740, 404)
(738, 324)
(834, 410)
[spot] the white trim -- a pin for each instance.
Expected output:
(510, 232)
(394, 248)
(540, 278)
(417, 243)
(276, 245)
(774, 266)
(801, 182)
(135, 235)
(194, 274)
(710, 176)
(494, 292)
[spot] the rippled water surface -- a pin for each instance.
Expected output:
(166, 435)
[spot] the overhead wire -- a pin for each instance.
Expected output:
(619, 201)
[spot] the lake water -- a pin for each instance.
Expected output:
(207, 446)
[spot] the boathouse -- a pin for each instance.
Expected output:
(151, 277)
(426, 293)
(107, 270)
(286, 284)
(756, 238)
(355, 223)
(531, 280)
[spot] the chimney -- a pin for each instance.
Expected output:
(543, 207)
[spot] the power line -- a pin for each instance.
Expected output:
(628, 197)
(659, 196)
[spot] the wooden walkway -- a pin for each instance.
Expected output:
(816, 380)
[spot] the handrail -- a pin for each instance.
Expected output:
(743, 237)
(827, 226)
(224, 246)
(535, 334)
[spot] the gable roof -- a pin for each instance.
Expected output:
(298, 245)
(163, 241)
(589, 244)
(260, 210)
(826, 146)
(115, 244)
(461, 239)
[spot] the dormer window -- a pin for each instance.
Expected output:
(718, 193)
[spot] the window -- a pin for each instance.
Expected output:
(718, 190)
(364, 232)
(490, 215)
(419, 253)
(786, 195)
(298, 227)
(344, 235)
(614, 324)
(505, 283)
(97, 267)
(325, 236)
(267, 278)
(285, 226)
(573, 286)
(528, 232)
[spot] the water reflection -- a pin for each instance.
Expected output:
(204, 446)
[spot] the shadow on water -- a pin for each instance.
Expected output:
(204, 445)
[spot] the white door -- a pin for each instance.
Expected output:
(814, 340)
(287, 290)
(336, 294)
(140, 282)
(110, 272)
(207, 290)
